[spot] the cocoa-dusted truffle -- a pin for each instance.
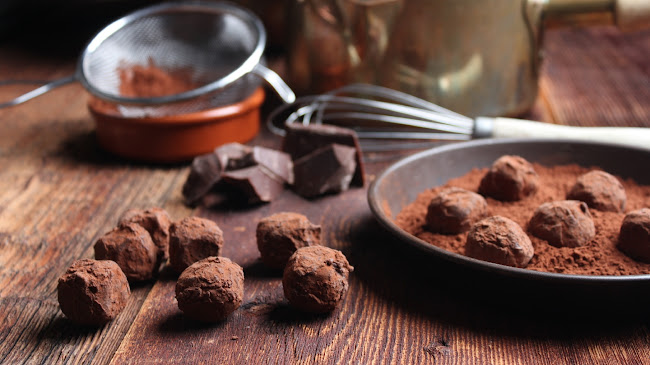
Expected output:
(634, 238)
(316, 279)
(281, 234)
(156, 221)
(600, 190)
(500, 240)
(455, 210)
(510, 178)
(132, 248)
(210, 289)
(93, 292)
(192, 239)
(566, 223)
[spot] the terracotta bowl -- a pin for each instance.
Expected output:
(176, 138)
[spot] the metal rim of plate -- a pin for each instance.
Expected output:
(555, 149)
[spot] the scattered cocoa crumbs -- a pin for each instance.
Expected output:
(598, 257)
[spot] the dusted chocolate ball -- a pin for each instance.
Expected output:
(455, 210)
(210, 289)
(634, 238)
(600, 190)
(156, 221)
(500, 240)
(316, 279)
(131, 247)
(192, 239)
(510, 178)
(566, 223)
(93, 292)
(280, 235)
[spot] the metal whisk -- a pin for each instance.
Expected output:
(377, 113)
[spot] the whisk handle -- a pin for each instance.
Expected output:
(39, 91)
(517, 128)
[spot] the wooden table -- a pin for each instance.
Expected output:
(59, 192)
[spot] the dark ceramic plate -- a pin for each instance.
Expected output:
(400, 184)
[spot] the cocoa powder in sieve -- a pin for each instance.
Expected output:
(151, 81)
(598, 257)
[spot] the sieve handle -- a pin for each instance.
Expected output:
(36, 92)
(281, 88)
(516, 128)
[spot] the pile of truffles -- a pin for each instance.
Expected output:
(315, 277)
(315, 160)
(564, 223)
(210, 287)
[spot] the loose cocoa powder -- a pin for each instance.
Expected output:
(152, 81)
(598, 257)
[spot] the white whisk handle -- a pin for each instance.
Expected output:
(517, 128)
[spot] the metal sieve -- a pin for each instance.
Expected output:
(220, 44)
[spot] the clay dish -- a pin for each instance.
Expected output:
(176, 138)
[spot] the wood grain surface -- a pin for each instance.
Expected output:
(59, 192)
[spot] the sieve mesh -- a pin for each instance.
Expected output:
(217, 44)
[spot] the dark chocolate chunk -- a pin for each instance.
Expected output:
(302, 140)
(327, 170)
(204, 173)
(255, 183)
(274, 162)
(234, 156)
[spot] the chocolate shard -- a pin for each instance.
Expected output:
(302, 140)
(255, 183)
(329, 169)
(235, 156)
(275, 162)
(204, 173)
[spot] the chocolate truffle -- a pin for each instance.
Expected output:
(93, 292)
(566, 223)
(634, 238)
(156, 221)
(326, 170)
(210, 289)
(455, 210)
(316, 279)
(132, 248)
(500, 240)
(192, 239)
(510, 178)
(280, 235)
(302, 140)
(600, 190)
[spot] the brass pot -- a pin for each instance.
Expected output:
(479, 58)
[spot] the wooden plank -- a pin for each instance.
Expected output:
(58, 193)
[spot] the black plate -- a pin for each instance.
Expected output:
(400, 184)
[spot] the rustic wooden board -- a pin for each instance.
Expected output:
(59, 192)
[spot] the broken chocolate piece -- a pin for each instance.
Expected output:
(234, 156)
(204, 173)
(269, 168)
(275, 162)
(327, 170)
(302, 140)
(255, 183)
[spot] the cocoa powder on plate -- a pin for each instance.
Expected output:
(598, 257)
